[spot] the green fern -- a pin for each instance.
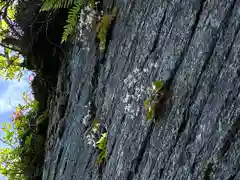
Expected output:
(56, 4)
(72, 19)
(73, 13)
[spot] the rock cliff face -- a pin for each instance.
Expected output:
(194, 46)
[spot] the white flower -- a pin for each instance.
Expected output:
(138, 97)
(137, 111)
(88, 8)
(88, 136)
(126, 99)
(136, 70)
(154, 87)
(128, 108)
(130, 76)
(132, 116)
(91, 142)
(145, 70)
(155, 65)
(138, 90)
(86, 118)
(199, 137)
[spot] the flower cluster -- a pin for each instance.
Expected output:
(88, 115)
(136, 90)
(92, 134)
(87, 15)
(17, 115)
(21, 110)
(91, 139)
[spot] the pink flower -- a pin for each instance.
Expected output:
(30, 78)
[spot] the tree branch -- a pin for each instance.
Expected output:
(12, 48)
(5, 17)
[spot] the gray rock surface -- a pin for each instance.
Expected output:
(192, 45)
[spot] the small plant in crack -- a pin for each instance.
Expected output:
(156, 92)
(103, 27)
(96, 126)
(92, 3)
(102, 146)
(93, 132)
(98, 140)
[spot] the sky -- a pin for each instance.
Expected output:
(11, 94)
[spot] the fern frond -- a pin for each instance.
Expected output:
(72, 19)
(62, 4)
(56, 4)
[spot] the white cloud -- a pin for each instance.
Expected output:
(13, 94)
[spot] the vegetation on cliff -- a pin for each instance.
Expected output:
(23, 156)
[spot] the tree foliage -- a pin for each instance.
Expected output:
(10, 55)
(15, 30)
(12, 163)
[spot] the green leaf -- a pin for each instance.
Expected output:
(92, 3)
(4, 25)
(56, 4)
(28, 140)
(150, 109)
(96, 125)
(102, 146)
(11, 12)
(146, 104)
(158, 84)
(102, 139)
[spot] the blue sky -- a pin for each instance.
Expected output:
(11, 95)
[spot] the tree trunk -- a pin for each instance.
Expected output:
(193, 46)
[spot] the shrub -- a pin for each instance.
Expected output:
(98, 140)
(17, 136)
(23, 157)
